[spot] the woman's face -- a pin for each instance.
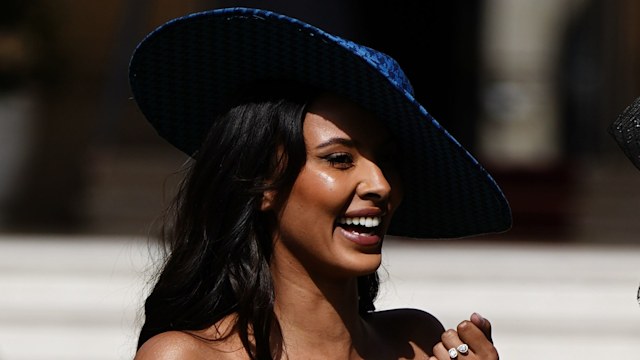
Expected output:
(339, 208)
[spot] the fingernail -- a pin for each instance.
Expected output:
(479, 317)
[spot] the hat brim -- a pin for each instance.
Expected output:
(183, 74)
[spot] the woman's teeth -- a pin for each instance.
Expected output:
(368, 221)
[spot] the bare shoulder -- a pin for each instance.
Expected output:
(169, 346)
(178, 345)
(412, 326)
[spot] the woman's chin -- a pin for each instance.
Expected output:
(362, 254)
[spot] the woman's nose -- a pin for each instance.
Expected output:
(373, 185)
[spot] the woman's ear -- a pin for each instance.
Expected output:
(268, 200)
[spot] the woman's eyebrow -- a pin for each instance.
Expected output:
(336, 141)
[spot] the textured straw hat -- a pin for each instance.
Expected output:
(183, 74)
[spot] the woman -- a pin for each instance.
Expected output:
(305, 146)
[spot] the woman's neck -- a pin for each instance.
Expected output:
(318, 315)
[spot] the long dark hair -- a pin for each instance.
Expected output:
(218, 241)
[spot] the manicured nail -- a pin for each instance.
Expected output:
(479, 317)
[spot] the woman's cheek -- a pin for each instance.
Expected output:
(326, 180)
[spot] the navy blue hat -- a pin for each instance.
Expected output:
(183, 74)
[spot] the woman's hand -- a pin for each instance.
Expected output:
(475, 333)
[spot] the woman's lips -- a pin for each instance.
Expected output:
(362, 227)
(359, 235)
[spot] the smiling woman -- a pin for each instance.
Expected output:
(345, 185)
(308, 149)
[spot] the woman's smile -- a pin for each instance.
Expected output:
(362, 227)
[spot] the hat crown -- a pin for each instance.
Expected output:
(382, 62)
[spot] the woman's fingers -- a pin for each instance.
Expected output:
(477, 339)
(483, 324)
(452, 347)
(440, 352)
(471, 340)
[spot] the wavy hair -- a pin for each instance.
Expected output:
(218, 241)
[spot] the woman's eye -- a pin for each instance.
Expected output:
(340, 160)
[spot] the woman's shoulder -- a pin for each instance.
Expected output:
(408, 326)
(187, 345)
(170, 345)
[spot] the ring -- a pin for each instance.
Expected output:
(463, 349)
(453, 353)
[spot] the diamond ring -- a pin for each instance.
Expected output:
(453, 353)
(463, 349)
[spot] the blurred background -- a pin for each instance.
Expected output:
(529, 87)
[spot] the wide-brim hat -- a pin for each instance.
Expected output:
(183, 74)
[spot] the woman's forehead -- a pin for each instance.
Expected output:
(331, 115)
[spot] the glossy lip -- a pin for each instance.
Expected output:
(361, 239)
(364, 239)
